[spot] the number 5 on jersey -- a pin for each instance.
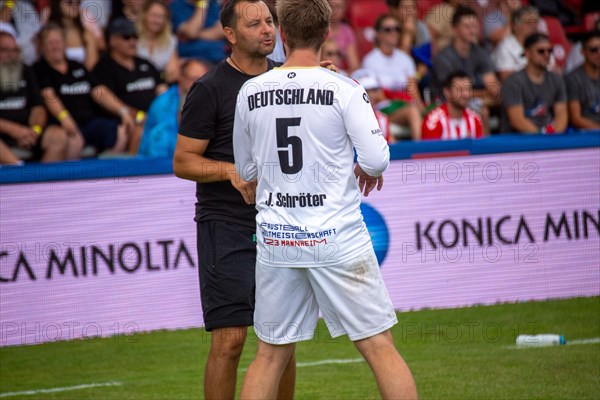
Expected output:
(289, 148)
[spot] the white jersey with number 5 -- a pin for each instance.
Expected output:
(295, 130)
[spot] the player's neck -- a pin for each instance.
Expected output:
(302, 58)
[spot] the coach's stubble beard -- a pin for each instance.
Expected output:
(10, 76)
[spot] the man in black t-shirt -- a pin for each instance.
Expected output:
(70, 94)
(22, 114)
(134, 80)
(226, 223)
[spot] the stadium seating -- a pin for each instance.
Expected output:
(558, 38)
(590, 20)
(361, 16)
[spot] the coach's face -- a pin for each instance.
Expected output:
(254, 31)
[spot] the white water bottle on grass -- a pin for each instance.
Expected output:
(547, 339)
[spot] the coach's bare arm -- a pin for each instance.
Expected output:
(189, 163)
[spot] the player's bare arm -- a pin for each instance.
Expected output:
(189, 163)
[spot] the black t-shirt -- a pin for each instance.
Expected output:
(16, 105)
(135, 88)
(73, 88)
(208, 113)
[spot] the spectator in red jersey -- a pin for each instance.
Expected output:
(453, 120)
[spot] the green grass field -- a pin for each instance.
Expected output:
(466, 353)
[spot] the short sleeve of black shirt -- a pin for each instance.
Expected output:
(73, 88)
(16, 105)
(208, 113)
(136, 88)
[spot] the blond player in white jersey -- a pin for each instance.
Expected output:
(295, 131)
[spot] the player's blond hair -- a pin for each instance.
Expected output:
(305, 23)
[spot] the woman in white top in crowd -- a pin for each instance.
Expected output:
(396, 72)
(156, 40)
(82, 45)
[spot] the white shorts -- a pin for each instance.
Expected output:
(352, 297)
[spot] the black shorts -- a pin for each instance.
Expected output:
(227, 261)
(101, 133)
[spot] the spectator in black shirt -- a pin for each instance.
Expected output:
(134, 80)
(23, 117)
(69, 92)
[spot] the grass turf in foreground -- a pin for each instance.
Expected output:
(465, 353)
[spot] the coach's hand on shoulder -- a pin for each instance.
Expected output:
(329, 65)
(246, 188)
(366, 183)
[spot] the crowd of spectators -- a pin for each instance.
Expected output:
(81, 78)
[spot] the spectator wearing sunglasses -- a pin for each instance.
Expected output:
(583, 86)
(397, 74)
(134, 80)
(535, 99)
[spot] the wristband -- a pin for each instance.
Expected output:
(62, 115)
(37, 129)
(201, 4)
(123, 111)
(10, 4)
(139, 117)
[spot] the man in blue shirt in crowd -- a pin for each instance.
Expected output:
(162, 121)
(198, 29)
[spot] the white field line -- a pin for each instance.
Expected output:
(324, 362)
(333, 361)
(59, 389)
(569, 343)
(584, 341)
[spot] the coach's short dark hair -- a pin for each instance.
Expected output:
(455, 75)
(462, 11)
(228, 17)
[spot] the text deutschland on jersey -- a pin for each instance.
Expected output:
(277, 97)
